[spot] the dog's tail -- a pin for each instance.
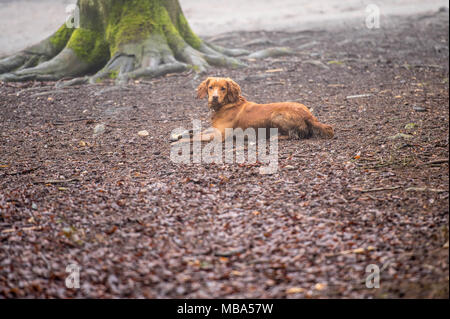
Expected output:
(320, 129)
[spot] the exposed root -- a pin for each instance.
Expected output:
(227, 51)
(271, 52)
(38, 53)
(71, 54)
(13, 62)
(151, 72)
(150, 59)
(117, 66)
(75, 81)
(155, 58)
(122, 40)
(224, 61)
(219, 58)
(65, 64)
(259, 41)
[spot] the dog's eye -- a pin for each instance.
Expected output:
(223, 88)
(210, 87)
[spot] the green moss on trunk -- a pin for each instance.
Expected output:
(121, 23)
(90, 46)
(185, 31)
(61, 37)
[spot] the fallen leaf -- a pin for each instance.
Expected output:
(294, 290)
(410, 126)
(274, 70)
(112, 230)
(320, 286)
(335, 62)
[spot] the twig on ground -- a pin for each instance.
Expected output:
(438, 161)
(377, 189)
(230, 252)
(61, 122)
(425, 189)
(54, 181)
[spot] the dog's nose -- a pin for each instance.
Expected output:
(215, 98)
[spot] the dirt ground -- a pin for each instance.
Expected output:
(140, 225)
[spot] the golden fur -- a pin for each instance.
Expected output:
(231, 110)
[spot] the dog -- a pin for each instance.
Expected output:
(232, 110)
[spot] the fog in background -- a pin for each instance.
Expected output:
(25, 22)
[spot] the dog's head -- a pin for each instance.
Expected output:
(220, 92)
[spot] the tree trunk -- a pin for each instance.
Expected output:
(120, 39)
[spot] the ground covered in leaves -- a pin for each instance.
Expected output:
(139, 225)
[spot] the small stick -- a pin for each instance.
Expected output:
(438, 161)
(229, 253)
(61, 122)
(425, 189)
(378, 189)
(54, 181)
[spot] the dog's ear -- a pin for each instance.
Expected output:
(234, 91)
(202, 89)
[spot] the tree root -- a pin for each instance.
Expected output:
(123, 40)
(228, 52)
(34, 55)
(154, 57)
(117, 66)
(155, 71)
(65, 64)
(29, 57)
(271, 52)
(75, 81)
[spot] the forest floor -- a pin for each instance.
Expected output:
(140, 225)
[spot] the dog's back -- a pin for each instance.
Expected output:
(291, 118)
(231, 110)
